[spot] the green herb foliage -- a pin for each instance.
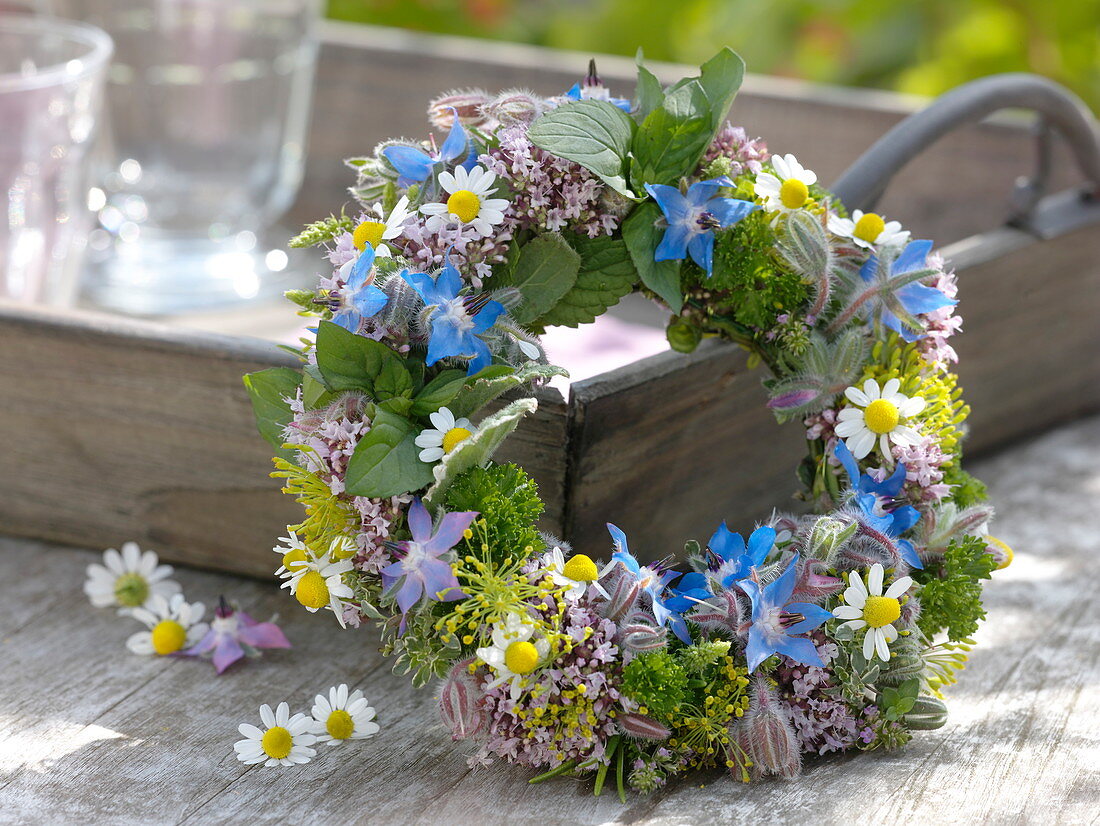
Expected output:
(656, 681)
(508, 500)
(951, 596)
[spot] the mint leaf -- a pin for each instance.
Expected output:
(545, 271)
(642, 237)
(351, 362)
(721, 77)
(593, 133)
(386, 461)
(649, 93)
(487, 384)
(607, 273)
(268, 389)
(438, 392)
(672, 139)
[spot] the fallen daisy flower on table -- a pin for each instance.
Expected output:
(283, 741)
(128, 579)
(170, 625)
(342, 716)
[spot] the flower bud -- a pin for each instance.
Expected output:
(460, 702)
(467, 104)
(642, 727)
(767, 736)
(639, 637)
(683, 337)
(514, 106)
(828, 536)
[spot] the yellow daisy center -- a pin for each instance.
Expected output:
(869, 227)
(581, 568)
(131, 590)
(881, 416)
(277, 743)
(793, 193)
(368, 232)
(312, 590)
(340, 725)
(880, 611)
(168, 637)
(292, 556)
(465, 204)
(521, 657)
(453, 436)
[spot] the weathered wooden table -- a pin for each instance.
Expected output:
(91, 734)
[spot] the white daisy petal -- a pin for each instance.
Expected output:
(869, 643)
(874, 580)
(856, 396)
(899, 587)
(881, 646)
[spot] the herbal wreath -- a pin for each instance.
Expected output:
(815, 633)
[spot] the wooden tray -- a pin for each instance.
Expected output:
(120, 429)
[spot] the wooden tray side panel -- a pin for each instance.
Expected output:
(670, 447)
(120, 430)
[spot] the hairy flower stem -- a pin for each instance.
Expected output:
(850, 311)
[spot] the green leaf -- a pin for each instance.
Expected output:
(351, 362)
(649, 93)
(594, 133)
(487, 384)
(315, 393)
(642, 237)
(438, 392)
(607, 273)
(546, 270)
(268, 389)
(672, 139)
(721, 77)
(386, 461)
(476, 449)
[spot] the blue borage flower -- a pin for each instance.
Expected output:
(653, 580)
(419, 572)
(415, 165)
(359, 298)
(693, 218)
(735, 560)
(879, 503)
(592, 88)
(896, 307)
(457, 321)
(776, 620)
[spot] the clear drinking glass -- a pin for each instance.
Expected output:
(207, 111)
(51, 80)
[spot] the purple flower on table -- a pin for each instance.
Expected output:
(420, 572)
(878, 501)
(776, 621)
(735, 559)
(894, 294)
(233, 635)
(693, 218)
(415, 165)
(359, 298)
(457, 321)
(652, 580)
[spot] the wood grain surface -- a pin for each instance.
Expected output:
(90, 733)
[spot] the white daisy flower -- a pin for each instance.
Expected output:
(878, 414)
(295, 553)
(377, 229)
(577, 575)
(342, 716)
(467, 202)
(513, 654)
(868, 230)
(171, 625)
(128, 580)
(789, 188)
(866, 606)
(437, 442)
(283, 741)
(318, 582)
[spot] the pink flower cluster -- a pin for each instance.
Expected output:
(941, 324)
(548, 193)
(822, 722)
(733, 143)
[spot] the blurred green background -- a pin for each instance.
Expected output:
(920, 46)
